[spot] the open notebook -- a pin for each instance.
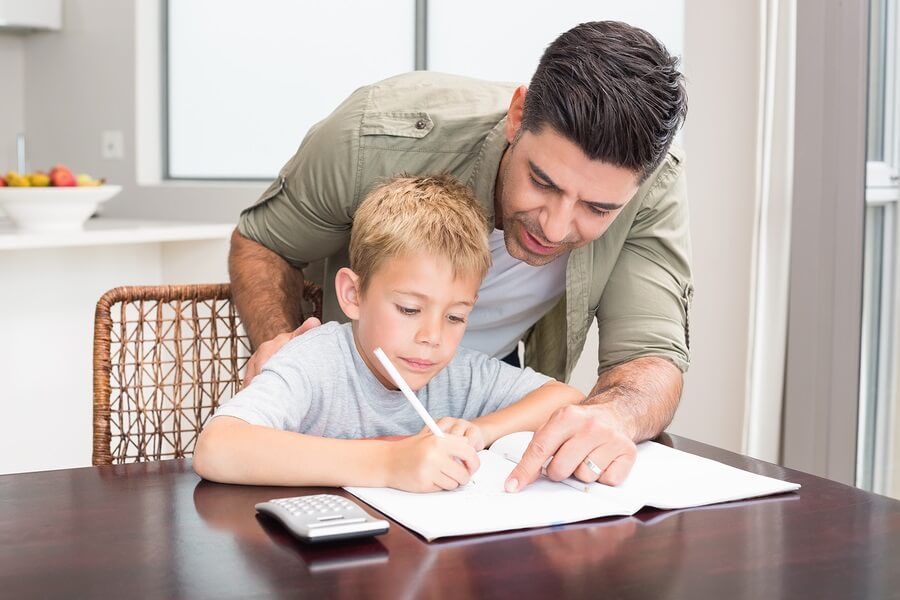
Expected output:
(662, 477)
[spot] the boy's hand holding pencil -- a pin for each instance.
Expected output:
(427, 463)
(434, 461)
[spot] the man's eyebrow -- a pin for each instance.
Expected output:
(550, 183)
(540, 173)
(426, 297)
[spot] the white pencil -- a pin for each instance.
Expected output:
(401, 383)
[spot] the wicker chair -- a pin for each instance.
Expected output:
(164, 358)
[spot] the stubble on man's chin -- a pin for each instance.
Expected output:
(519, 252)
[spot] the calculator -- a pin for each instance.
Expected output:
(323, 517)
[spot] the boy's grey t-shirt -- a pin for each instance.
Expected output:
(318, 384)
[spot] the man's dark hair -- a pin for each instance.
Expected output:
(613, 90)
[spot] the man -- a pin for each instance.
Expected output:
(590, 212)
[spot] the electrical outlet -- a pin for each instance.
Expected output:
(112, 144)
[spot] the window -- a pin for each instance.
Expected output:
(878, 452)
(246, 80)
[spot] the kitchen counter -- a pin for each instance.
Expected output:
(102, 232)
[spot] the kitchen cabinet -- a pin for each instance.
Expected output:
(28, 15)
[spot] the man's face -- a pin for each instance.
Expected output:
(551, 198)
(416, 311)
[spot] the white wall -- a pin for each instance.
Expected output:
(722, 65)
(81, 81)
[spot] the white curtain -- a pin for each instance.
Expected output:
(771, 252)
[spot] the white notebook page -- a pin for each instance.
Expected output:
(661, 477)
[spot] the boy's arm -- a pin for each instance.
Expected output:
(230, 450)
(529, 413)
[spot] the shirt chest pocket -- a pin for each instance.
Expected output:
(394, 129)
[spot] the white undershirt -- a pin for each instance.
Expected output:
(512, 298)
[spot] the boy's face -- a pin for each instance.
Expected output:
(416, 312)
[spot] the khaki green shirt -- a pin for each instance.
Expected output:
(635, 279)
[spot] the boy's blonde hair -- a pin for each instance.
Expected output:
(432, 215)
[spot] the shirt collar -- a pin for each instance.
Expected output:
(484, 176)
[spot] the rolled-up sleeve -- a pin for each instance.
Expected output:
(644, 308)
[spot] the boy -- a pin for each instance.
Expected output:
(418, 254)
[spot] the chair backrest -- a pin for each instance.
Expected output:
(165, 357)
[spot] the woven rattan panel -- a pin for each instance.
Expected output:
(171, 364)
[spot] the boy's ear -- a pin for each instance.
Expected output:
(346, 286)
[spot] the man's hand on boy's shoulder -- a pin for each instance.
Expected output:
(581, 440)
(268, 349)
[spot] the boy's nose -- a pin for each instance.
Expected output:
(429, 332)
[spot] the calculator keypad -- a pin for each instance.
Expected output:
(319, 504)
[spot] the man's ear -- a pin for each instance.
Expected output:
(514, 116)
(346, 286)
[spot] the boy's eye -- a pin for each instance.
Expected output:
(404, 310)
(456, 319)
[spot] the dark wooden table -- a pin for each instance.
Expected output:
(156, 531)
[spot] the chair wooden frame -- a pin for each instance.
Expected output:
(165, 357)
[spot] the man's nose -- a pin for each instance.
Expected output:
(557, 221)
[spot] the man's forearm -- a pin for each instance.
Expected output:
(265, 288)
(642, 394)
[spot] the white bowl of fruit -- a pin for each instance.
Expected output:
(53, 201)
